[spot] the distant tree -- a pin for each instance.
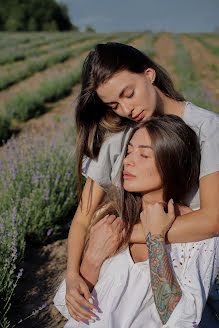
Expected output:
(50, 26)
(90, 28)
(32, 25)
(34, 15)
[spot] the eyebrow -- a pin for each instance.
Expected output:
(140, 146)
(120, 95)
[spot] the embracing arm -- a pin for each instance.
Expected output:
(105, 237)
(83, 215)
(197, 225)
(165, 287)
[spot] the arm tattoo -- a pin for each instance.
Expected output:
(165, 288)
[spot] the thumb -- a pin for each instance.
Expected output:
(85, 291)
(123, 233)
(171, 209)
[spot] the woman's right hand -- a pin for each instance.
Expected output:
(105, 237)
(78, 294)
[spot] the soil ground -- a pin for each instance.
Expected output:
(43, 271)
(165, 58)
(206, 66)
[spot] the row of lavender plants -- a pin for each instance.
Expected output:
(189, 85)
(37, 198)
(26, 105)
(14, 51)
(37, 65)
(148, 47)
(208, 45)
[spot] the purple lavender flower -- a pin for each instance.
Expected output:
(20, 273)
(49, 231)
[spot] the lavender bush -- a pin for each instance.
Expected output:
(37, 194)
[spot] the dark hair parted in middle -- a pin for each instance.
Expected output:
(93, 117)
(177, 157)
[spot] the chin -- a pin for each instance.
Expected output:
(130, 188)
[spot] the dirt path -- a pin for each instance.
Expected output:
(138, 43)
(62, 108)
(35, 80)
(206, 66)
(43, 272)
(18, 65)
(212, 40)
(164, 47)
(57, 70)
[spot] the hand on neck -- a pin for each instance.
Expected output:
(152, 198)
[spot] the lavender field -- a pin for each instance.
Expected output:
(39, 83)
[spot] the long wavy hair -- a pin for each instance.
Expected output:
(93, 118)
(177, 157)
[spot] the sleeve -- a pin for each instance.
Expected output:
(209, 142)
(109, 159)
(195, 281)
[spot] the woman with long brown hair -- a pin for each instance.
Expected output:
(157, 285)
(122, 86)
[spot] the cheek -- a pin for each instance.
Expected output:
(153, 177)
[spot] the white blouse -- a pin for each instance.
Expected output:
(123, 293)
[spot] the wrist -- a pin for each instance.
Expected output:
(71, 274)
(91, 260)
(155, 235)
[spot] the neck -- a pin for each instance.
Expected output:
(153, 197)
(169, 105)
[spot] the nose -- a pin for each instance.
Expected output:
(127, 108)
(129, 159)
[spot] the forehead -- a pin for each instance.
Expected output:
(141, 137)
(111, 88)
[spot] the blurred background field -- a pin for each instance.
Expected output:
(39, 84)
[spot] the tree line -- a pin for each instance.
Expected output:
(34, 15)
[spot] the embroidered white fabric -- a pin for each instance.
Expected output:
(123, 293)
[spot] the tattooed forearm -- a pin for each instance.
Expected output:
(165, 287)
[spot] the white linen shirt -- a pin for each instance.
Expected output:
(123, 293)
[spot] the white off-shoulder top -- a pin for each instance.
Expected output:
(123, 293)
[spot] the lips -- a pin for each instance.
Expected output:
(138, 117)
(128, 175)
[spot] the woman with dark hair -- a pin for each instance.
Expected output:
(157, 285)
(122, 86)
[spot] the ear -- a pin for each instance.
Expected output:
(150, 74)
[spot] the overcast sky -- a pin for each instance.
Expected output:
(156, 15)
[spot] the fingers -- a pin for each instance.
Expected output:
(99, 223)
(85, 291)
(75, 307)
(171, 209)
(78, 312)
(111, 219)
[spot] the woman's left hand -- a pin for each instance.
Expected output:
(155, 220)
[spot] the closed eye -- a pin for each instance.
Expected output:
(145, 156)
(114, 108)
(131, 95)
